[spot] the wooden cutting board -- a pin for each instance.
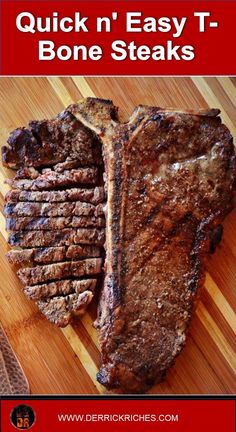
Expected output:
(66, 361)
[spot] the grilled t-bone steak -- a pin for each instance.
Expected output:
(170, 182)
(170, 177)
(93, 196)
(55, 213)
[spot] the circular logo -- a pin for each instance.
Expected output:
(22, 417)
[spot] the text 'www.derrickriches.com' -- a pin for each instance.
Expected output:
(117, 417)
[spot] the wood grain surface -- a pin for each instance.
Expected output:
(66, 361)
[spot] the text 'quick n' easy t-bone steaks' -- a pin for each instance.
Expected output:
(170, 178)
(54, 213)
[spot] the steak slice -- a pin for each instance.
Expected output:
(37, 223)
(94, 196)
(170, 182)
(55, 223)
(40, 255)
(57, 192)
(49, 255)
(61, 310)
(49, 142)
(59, 288)
(65, 237)
(57, 271)
(52, 179)
(25, 209)
(83, 251)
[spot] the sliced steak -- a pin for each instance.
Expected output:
(90, 236)
(53, 180)
(24, 209)
(55, 223)
(57, 271)
(27, 173)
(37, 223)
(57, 191)
(49, 142)
(83, 251)
(59, 288)
(93, 196)
(61, 310)
(170, 183)
(66, 209)
(40, 255)
(49, 255)
(65, 237)
(88, 222)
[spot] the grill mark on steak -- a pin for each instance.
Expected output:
(67, 209)
(53, 179)
(48, 255)
(65, 237)
(59, 288)
(83, 251)
(49, 142)
(55, 223)
(61, 310)
(56, 271)
(94, 196)
(183, 167)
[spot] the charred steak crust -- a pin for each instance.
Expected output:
(54, 223)
(67, 209)
(170, 182)
(57, 271)
(49, 142)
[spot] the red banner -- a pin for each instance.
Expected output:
(118, 415)
(117, 38)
